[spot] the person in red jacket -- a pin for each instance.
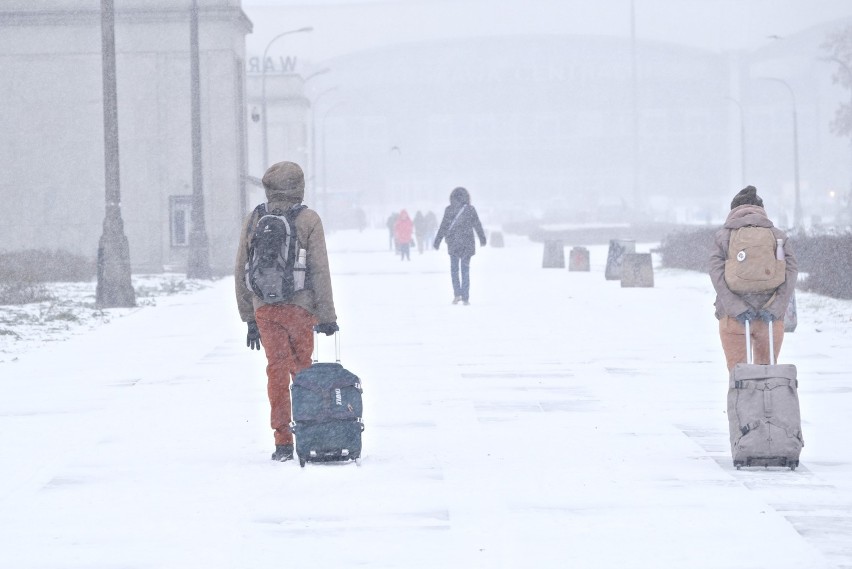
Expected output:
(402, 231)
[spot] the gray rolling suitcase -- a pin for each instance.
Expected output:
(763, 411)
(327, 412)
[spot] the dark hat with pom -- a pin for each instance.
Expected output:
(747, 196)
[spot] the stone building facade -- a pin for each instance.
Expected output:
(51, 120)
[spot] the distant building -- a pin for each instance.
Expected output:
(287, 124)
(544, 124)
(51, 124)
(532, 123)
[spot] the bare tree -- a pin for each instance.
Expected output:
(838, 50)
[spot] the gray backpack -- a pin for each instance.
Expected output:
(275, 268)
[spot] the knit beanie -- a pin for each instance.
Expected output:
(747, 196)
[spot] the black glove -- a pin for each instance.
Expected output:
(327, 328)
(765, 315)
(253, 336)
(482, 242)
(749, 314)
(437, 244)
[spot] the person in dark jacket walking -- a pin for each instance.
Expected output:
(390, 223)
(458, 225)
(420, 231)
(431, 223)
(762, 309)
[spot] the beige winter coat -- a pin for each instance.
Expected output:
(316, 297)
(729, 303)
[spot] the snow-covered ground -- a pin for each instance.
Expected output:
(71, 310)
(558, 421)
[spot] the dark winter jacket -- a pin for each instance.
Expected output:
(729, 303)
(458, 226)
(419, 225)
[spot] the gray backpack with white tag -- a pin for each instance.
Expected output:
(276, 267)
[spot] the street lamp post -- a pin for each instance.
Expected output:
(797, 206)
(742, 140)
(265, 122)
(313, 146)
(316, 73)
(198, 257)
(114, 287)
(634, 96)
(314, 104)
(324, 171)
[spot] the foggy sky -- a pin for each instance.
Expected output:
(343, 26)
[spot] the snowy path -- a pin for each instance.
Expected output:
(558, 421)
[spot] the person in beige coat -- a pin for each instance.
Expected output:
(286, 328)
(761, 309)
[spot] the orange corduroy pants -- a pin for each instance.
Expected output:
(286, 332)
(732, 334)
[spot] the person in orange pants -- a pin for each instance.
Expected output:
(287, 324)
(288, 340)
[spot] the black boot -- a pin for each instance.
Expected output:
(283, 453)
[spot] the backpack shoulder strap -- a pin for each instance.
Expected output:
(258, 212)
(295, 210)
(456, 218)
(731, 242)
(291, 215)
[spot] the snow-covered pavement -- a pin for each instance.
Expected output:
(558, 421)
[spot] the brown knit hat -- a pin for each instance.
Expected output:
(284, 180)
(747, 196)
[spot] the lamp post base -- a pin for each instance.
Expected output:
(114, 289)
(198, 260)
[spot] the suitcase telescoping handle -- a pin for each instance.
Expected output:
(750, 351)
(315, 354)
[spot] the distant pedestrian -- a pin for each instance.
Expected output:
(402, 230)
(419, 230)
(361, 219)
(291, 308)
(458, 225)
(391, 222)
(431, 225)
(762, 308)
